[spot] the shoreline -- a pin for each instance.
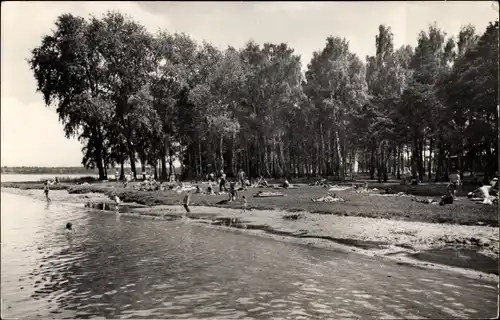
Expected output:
(416, 244)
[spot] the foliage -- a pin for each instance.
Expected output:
(130, 95)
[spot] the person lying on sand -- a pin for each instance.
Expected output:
(339, 188)
(319, 182)
(388, 191)
(488, 194)
(265, 194)
(425, 201)
(330, 197)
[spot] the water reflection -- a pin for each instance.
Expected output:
(114, 266)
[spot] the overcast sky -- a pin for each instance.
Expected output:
(30, 132)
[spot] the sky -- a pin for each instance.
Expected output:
(31, 134)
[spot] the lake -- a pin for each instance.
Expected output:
(119, 267)
(38, 177)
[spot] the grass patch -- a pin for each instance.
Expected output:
(462, 212)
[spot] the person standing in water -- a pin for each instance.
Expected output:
(186, 201)
(244, 203)
(46, 190)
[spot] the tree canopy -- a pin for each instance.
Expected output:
(129, 95)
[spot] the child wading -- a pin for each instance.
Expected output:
(187, 198)
(46, 190)
(244, 203)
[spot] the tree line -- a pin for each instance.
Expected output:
(133, 96)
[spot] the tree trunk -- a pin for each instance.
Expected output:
(156, 169)
(372, 160)
(171, 160)
(414, 155)
(398, 163)
(143, 168)
(429, 164)
(122, 170)
(98, 145)
(130, 151)
(164, 175)
(221, 152)
(339, 154)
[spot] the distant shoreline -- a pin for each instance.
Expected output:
(47, 170)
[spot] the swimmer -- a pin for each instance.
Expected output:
(69, 227)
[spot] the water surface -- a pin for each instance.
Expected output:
(39, 177)
(119, 267)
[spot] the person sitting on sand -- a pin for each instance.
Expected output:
(233, 194)
(330, 197)
(198, 189)
(494, 187)
(222, 183)
(286, 184)
(446, 199)
(187, 198)
(244, 203)
(46, 190)
(210, 189)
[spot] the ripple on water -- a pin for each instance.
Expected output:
(134, 268)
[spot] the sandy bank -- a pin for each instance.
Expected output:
(418, 243)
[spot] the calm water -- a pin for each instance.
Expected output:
(37, 177)
(118, 267)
